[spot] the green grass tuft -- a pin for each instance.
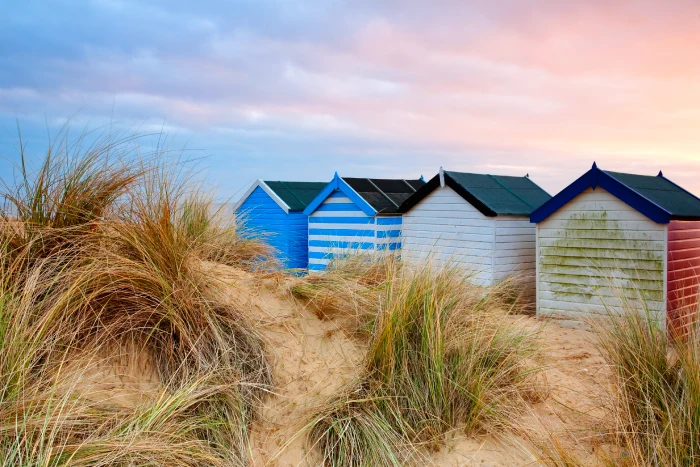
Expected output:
(442, 353)
(656, 389)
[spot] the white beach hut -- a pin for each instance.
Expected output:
(610, 238)
(480, 222)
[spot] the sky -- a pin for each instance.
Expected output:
(297, 90)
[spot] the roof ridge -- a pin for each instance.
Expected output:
(511, 191)
(262, 184)
(380, 191)
(635, 191)
(291, 192)
(409, 185)
(661, 175)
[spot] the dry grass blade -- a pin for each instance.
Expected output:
(99, 256)
(656, 390)
(442, 353)
(75, 186)
(349, 291)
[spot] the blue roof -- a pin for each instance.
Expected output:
(657, 197)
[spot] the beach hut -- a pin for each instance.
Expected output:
(612, 238)
(352, 214)
(477, 221)
(275, 210)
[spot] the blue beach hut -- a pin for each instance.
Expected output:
(352, 214)
(275, 209)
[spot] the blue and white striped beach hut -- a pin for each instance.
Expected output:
(352, 214)
(274, 209)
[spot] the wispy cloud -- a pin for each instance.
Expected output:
(302, 89)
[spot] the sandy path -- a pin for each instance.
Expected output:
(578, 378)
(311, 358)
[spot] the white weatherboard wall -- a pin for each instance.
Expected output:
(515, 251)
(516, 247)
(339, 227)
(595, 250)
(444, 227)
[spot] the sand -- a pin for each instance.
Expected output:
(123, 376)
(313, 359)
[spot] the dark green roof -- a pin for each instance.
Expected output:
(678, 202)
(297, 195)
(502, 194)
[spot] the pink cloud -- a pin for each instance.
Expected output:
(544, 87)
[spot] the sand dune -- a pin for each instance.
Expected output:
(312, 358)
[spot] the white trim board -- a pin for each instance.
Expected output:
(268, 190)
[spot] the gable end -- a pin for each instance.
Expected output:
(433, 184)
(339, 184)
(597, 178)
(262, 185)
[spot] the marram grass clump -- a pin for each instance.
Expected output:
(656, 387)
(101, 253)
(223, 237)
(349, 290)
(442, 353)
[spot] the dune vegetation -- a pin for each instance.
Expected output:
(119, 345)
(102, 252)
(656, 388)
(441, 353)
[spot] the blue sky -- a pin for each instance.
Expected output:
(299, 90)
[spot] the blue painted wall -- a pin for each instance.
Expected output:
(287, 233)
(339, 227)
(389, 233)
(298, 235)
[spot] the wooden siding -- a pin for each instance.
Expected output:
(514, 253)
(443, 228)
(683, 273)
(388, 233)
(336, 228)
(263, 217)
(595, 252)
(297, 240)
